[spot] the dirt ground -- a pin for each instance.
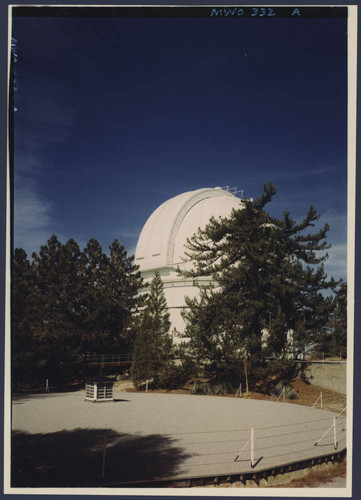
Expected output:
(307, 394)
(333, 478)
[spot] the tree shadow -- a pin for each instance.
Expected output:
(75, 458)
(20, 398)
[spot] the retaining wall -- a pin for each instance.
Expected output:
(327, 375)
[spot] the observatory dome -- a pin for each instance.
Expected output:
(161, 244)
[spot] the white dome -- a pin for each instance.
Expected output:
(161, 244)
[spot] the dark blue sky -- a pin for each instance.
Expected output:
(116, 115)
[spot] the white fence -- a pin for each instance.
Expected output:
(246, 449)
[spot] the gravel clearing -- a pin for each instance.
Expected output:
(160, 436)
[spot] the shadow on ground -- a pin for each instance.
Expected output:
(75, 458)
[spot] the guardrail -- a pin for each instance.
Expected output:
(106, 358)
(320, 362)
(264, 444)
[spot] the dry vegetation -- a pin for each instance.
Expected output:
(334, 477)
(307, 394)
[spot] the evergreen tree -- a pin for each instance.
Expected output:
(332, 341)
(267, 278)
(153, 344)
(24, 346)
(340, 321)
(68, 302)
(109, 299)
(55, 301)
(123, 282)
(93, 269)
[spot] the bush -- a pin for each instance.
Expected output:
(290, 392)
(201, 388)
(217, 388)
(173, 378)
(223, 388)
(265, 389)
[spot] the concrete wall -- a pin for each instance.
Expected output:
(327, 375)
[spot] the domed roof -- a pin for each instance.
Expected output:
(161, 242)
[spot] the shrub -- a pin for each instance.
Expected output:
(201, 388)
(265, 389)
(172, 378)
(222, 388)
(290, 392)
(218, 388)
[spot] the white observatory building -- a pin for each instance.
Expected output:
(161, 244)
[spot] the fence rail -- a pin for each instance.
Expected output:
(106, 358)
(265, 444)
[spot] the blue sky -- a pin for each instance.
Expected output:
(117, 115)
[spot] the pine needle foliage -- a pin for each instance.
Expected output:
(267, 276)
(333, 340)
(153, 345)
(67, 302)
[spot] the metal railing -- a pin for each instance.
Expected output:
(107, 358)
(264, 444)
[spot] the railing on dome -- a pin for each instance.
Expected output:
(233, 190)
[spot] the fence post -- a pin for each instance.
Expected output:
(252, 447)
(321, 402)
(334, 433)
(341, 412)
(249, 442)
(282, 393)
(146, 386)
(333, 426)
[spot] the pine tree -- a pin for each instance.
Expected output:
(122, 300)
(55, 301)
(332, 340)
(153, 344)
(45, 333)
(267, 278)
(109, 299)
(24, 346)
(92, 272)
(340, 321)
(68, 302)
